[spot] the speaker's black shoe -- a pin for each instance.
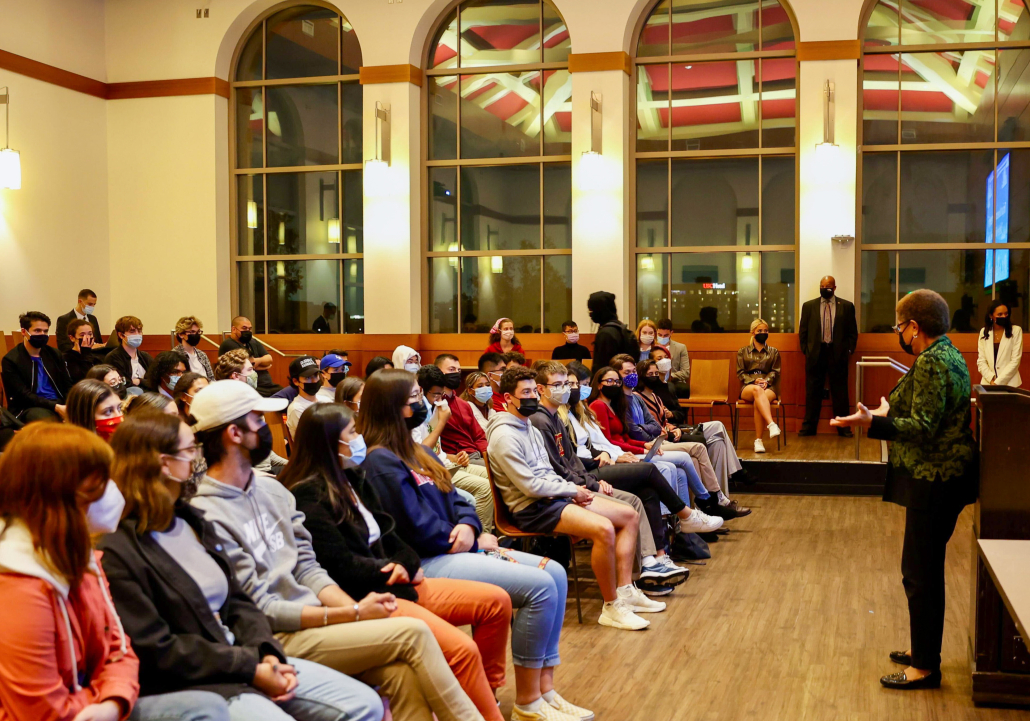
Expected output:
(806, 432)
(901, 657)
(898, 681)
(845, 433)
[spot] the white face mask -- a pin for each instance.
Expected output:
(664, 365)
(88, 310)
(647, 338)
(572, 338)
(104, 514)
(412, 367)
(507, 334)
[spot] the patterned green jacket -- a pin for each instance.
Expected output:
(929, 419)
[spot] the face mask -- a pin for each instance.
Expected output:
(104, 514)
(172, 381)
(653, 382)
(611, 392)
(574, 395)
(572, 338)
(452, 380)
(761, 337)
(264, 446)
(507, 334)
(664, 340)
(335, 378)
(358, 449)
(411, 367)
(561, 398)
(418, 415)
(121, 389)
(528, 406)
(664, 365)
(631, 380)
(483, 394)
(193, 340)
(107, 426)
(313, 387)
(134, 341)
(192, 477)
(584, 392)
(1003, 323)
(245, 337)
(88, 310)
(826, 293)
(252, 380)
(38, 341)
(907, 347)
(647, 338)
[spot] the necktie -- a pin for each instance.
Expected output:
(827, 324)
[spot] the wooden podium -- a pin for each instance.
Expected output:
(998, 654)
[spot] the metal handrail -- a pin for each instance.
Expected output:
(266, 344)
(862, 364)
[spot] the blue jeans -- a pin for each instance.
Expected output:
(537, 594)
(678, 465)
(181, 706)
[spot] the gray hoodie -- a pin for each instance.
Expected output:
(519, 464)
(268, 546)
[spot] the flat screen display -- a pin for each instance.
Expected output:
(996, 268)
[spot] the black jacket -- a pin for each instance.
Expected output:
(63, 343)
(79, 363)
(845, 330)
(119, 358)
(342, 547)
(179, 641)
(561, 451)
(18, 373)
(612, 336)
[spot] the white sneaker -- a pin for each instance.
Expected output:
(759, 446)
(700, 523)
(546, 712)
(617, 614)
(572, 710)
(638, 602)
(774, 430)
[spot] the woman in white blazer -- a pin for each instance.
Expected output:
(999, 348)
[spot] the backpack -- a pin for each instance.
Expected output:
(628, 343)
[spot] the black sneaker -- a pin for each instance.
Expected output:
(651, 588)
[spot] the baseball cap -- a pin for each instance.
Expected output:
(333, 361)
(222, 402)
(303, 367)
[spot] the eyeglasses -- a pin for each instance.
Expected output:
(190, 452)
(434, 397)
(560, 387)
(652, 375)
(900, 328)
(416, 395)
(612, 382)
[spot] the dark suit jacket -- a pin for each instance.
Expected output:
(845, 330)
(63, 344)
(19, 378)
(179, 641)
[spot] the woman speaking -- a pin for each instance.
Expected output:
(932, 472)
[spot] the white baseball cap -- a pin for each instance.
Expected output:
(224, 401)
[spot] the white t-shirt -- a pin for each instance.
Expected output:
(326, 394)
(420, 433)
(597, 439)
(195, 364)
(374, 532)
(297, 407)
(137, 369)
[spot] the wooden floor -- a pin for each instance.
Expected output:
(791, 619)
(823, 447)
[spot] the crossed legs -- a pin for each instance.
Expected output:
(613, 527)
(762, 399)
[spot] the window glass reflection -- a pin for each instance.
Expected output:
(654, 37)
(557, 205)
(948, 97)
(298, 291)
(500, 115)
(351, 114)
(353, 296)
(653, 286)
(445, 48)
(557, 291)
(943, 196)
(777, 31)
(958, 275)
(250, 281)
(882, 28)
(557, 43)
(652, 203)
(778, 206)
(879, 197)
(881, 98)
(1015, 290)
(302, 125)
(443, 117)
(779, 102)
(778, 286)
(495, 286)
(500, 32)
(557, 112)
(500, 208)
(443, 295)
(714, 105)
(729, 26)
(303, 213)
(1013, 81)
(302, 42)
(879, 276)
(714, 292)
(443, 209)
(250, 120)
(653, 99)
(927, 22)
(715, 202)
(250, 215)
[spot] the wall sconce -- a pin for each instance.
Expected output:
(382, 147)
(334, 231)
(595, 124)
(10, 160)
(282, 233)
(747, 262)
(828, 117)
(497, 264)
(647, 262)
(252, 214)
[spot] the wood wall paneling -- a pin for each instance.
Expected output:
(593, 62)
(168, 88)
(53, 75)
(830, 50)
(378, 74)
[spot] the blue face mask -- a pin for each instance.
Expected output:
(484, 394)
(358, 449)
(134, 341)
(172, 381)
(630, 381)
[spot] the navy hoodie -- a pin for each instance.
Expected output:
(425, 516)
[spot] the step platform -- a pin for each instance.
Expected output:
(819, 465)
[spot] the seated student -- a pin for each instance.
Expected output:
(187, 387)
(610, 406)
(467, 476)
(307, 378)
(416, 491)
(63, 652)
(462, 434)
(34, 375)
(377, 364)
(270, 553)
(494, 365)
(94, 405)
(80, 357)
(680, 366)
(503, 339)
(189, 331)
(355, 543)
(349, 393)
(639, 485)
(541, 501)
(191, 624)
(150, 403)
(479, 395)
(646, 333)
(514, 358)
(334, 368)
(85, 306)
(242, 336)
(758, 369)
(236, 365)
(130, 361)
(570, 349)
(164, 373)
(110, 376)
(406, 358)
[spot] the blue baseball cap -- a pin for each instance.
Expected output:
(333, 361)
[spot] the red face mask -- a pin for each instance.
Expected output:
(107, 426)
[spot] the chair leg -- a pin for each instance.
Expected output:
(783, 424)
(575, 578)
(735, 422)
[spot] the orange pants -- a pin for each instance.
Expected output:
(478, 662)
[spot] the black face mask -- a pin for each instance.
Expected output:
(826, 293)
(528, 406)
(761, 337)
(1003, 323)
(653, 382)
(335, 378)
(38, 341)
(120, 390)
(452, 380)
(193, 340)
(264, 446)
(313, 387)
(611, 392)
(418, 415)
(245, 337)
(907, 347)
(574, 395)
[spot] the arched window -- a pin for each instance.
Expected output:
(945, 157)
(498, 181)
(715, 199)
(296, 159)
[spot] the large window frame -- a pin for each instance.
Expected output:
(900, 148)
(542, 161)
(756, 251)
(346, 261)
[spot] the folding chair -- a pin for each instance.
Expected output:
(709, 387)
(280, 433)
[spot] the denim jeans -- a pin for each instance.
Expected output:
(679, 471)
(537, 593)
(181, 706)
